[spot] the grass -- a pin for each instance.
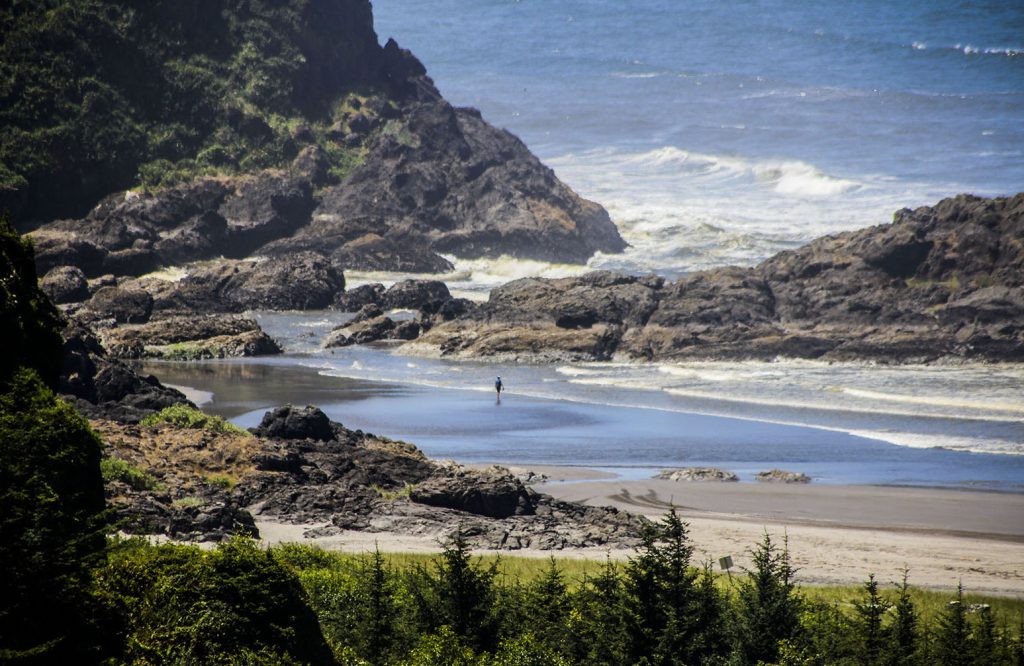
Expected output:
(184, 416)
(222, 481)
(391, 495)
(188, 502)
(114, 469)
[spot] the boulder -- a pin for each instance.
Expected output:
(304, 281)
(124, 305)
(290, 422)
(426, 295)
(355, 299)
(494, 492)
(65, 284)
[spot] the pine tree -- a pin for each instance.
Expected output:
(871, 610)
(599, 619)
(461, 595)
(768, 604)
(377, 612)
(983, 639)
(676, 590)
(645, 616)
(709, 636)
(952, 644)
(903, 634)
(549, 608)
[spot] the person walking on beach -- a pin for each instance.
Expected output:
(498, 386)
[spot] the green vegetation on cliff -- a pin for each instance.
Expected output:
(101, 95)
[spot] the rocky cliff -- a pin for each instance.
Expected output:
(939, 282)
(167, 133)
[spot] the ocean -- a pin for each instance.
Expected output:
(714, 133)
(723, 132)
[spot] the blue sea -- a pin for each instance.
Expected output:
(720, 132)
(714, 133)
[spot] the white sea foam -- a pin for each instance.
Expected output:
(937, 401)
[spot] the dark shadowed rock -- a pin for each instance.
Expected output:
(302, 281)
(296, 423)
(124, 305)
(361, 332)
(494, 492)
(939, 282)
(65, 284)
(427, 295)
(105, 387)
(359, 297)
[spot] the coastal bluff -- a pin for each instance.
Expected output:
(940, 283)
(290, 129)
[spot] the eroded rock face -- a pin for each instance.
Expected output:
(443, 178)
(939, 282)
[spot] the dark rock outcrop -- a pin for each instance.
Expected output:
(297, 423)
(191, 338)
(939, 282)
(123, 305)
(104, 387)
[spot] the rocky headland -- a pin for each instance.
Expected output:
(943, 282)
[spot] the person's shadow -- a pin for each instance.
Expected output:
(498, 401)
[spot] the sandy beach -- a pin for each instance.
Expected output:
(837, 534)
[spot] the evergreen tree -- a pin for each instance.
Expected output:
(598, 621)
(768, 604)
(548, 604)
(983, 639)
(903, 634)
(676, 591)
(458, 593)
(709, 635)
(952, 644)
(645, 615)
(871, 609)
(377, 613)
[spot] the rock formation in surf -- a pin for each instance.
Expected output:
(939, 282)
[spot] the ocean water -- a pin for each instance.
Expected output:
(722, 132)
(840, 423)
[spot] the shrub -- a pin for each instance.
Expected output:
(184, 416)
(114, 469)
(234, 604)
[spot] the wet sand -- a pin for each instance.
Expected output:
(837, 534)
